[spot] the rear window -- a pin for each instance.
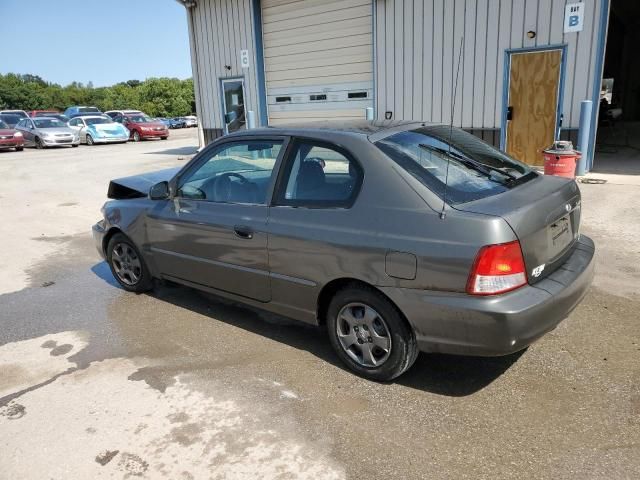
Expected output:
(471, 168)
(10, 118)
(3, 125)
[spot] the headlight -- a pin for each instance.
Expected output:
(47, 135)
(17, 134)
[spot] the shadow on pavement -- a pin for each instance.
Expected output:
(190, 150)
(448, 375)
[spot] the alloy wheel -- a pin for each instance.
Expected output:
(363, 335)
(126, 263)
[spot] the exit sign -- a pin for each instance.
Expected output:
(573, 17)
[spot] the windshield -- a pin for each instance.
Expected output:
(3, 125)
(471, 168)
(10, 119)
(88, 110)
(140, 119)
(96, 121)
(48, 123)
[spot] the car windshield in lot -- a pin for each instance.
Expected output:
(48, 123)
(3, 125)
(97, 121)
(10, 119)
(472, 169)
(88, 110)
(140, 119)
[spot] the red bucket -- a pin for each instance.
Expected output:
(561, 160)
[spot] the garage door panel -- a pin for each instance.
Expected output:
(345, 28)
(322, 18)
(319, 46)
(354, 77)
(303, 9)
(325, 71)
(316, 63)
(360, 51)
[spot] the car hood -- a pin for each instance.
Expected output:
(138, 186)
(65, 130)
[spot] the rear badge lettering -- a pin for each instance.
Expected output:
(538, 270)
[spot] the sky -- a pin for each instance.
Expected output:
(102, 41)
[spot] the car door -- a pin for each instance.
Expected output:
(77, 124)
(27, 128)
(212, 231)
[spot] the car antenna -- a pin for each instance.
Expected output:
(453, 108)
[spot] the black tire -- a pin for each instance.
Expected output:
(39, 144)
(74, 146)
(135, 136)
(403, 349)
(19, 149)
(163, 138)
(144, 281)
(89, 139)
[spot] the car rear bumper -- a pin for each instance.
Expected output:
(497, 325)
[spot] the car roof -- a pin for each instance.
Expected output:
(44, 118)
(104, 117)
(375, 130)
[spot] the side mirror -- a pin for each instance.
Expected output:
(160, 191)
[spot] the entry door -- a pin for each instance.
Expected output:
(534, 81)
(233, 104)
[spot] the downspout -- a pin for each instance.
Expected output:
(189, 6)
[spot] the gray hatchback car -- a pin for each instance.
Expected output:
(398, 237)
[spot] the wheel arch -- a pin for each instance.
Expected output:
(108, 236)
(334, 286)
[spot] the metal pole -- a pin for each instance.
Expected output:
(586, 107)
(251, 119)
(369, 113)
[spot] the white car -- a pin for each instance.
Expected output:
(191, 121)
(99, 129)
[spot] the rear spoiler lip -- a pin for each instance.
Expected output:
(137, 186)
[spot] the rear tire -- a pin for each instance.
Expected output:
(163, 138)
(369, 334)
(127, 265)
(89, 140)
(74, 146)
(136, 136)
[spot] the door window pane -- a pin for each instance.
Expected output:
(236, 173)
(234, 116)
(320, 175)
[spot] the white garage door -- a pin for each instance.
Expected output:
(318, 59)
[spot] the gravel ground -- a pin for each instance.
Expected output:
(99, 383)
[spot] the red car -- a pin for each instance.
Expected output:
(10, 138)
(143, 127)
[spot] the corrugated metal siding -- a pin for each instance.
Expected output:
(221, 29)
(417, 46)
(317, 47)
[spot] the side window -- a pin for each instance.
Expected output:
(240, 172)
(21, 124)
(74, 122)
(320, 176)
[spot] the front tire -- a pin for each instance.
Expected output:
(127, 265)
(89, 139)
(19, 149)
(39, 144)
(136, 136)
(163, 138)
(370, 335)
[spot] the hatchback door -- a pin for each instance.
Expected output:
(213, 232)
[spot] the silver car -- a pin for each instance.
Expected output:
(395, 237)
(41, 132)
(94, 129)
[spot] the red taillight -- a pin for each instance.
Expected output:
(497, 269)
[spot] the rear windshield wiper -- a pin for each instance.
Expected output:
(474, 164)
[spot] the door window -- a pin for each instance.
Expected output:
(320, 176)
(233, 95)
(240, 172)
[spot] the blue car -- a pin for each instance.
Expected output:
(99, 129)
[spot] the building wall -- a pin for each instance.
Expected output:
(221, 28)
(417, 47)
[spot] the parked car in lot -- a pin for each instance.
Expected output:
(190, 121)
(143, 127)
(44, 132)
(115, 113)
(12, 117)
(42, 113)
(10, 138)
(398, 237)
(99, 129)
(174, 123)
(75, 110)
